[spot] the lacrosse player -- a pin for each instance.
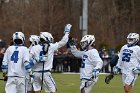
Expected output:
(129, 62)
(91, 63)
(42, 55)
(34, 40)
(16, 64)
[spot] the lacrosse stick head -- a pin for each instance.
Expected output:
(109, 78)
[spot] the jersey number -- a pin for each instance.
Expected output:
(126, 57)
(14, 56)
(83, 63)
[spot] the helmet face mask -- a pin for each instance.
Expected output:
(86, 41)
(18, 38)
(129, 40)
(83, 44)
(132, 39)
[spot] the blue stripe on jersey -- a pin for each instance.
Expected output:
(31, 63)
(85, 79)
(53, 82)
(4, 66)
(132, 81)
(43, 71)
(27, 67)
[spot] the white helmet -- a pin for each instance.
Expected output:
(34, 39)
(86, 41)
(46, 36)
(19, 36)
(132, 39)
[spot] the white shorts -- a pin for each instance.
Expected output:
(29, 85)
(129, 79)
(87, 84)
(15, 85)
(48, 82)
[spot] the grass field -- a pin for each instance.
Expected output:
(69, 83)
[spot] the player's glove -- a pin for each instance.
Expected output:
(96, 73)
(116, 70)
(136, 70)
(67, 28)
(4, 67)
(72, 43)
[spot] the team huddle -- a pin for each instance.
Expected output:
(29, 69)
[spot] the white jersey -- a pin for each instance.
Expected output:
(37, 51)
(90, 60)
(129, 58)
(15, 56)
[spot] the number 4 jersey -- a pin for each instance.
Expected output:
(15, 56)
(129, 58)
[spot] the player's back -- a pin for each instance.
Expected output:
(37, 51)
(15, 56)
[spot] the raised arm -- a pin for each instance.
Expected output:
(64, 39)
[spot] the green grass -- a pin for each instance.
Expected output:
(69, 83)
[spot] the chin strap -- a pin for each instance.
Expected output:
(130, 45)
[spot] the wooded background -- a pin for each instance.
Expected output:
(109, 20)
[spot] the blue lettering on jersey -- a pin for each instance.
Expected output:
(126, 55)
(83, 61)
(14, 56)
(128, 50)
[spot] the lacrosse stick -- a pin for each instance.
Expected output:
(109, 78)
(45, 51)
(2, 79)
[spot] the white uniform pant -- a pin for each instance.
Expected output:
(129, 79)
(87, 85)
(15, 85)
(29, 85)
(48, 82)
